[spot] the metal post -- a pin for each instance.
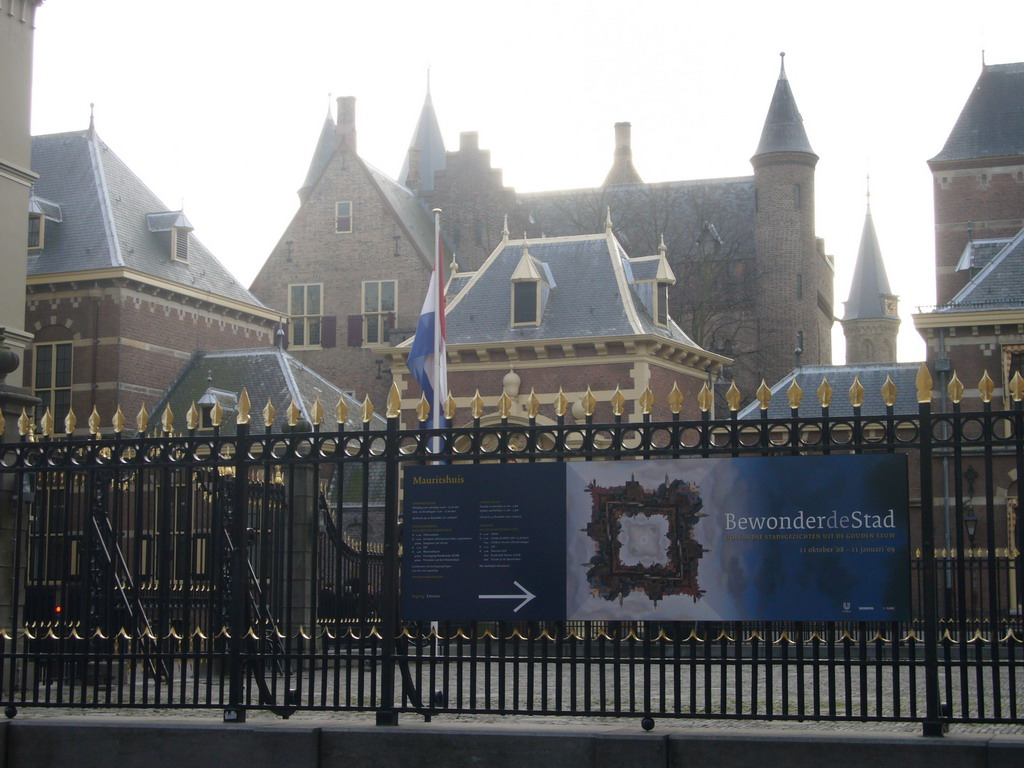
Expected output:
(387, 714)
(235, 711)
(932, 724)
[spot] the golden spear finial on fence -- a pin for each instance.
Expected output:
(118, 421)
(794, 395)
(589, 402)
(824, 393)
(192, 416)
(733, 397)
(856, 393)
(294, 413)
(675, 398)
(561, 403)
(1017, 387)
(986, 387)
(244, 407)
(705, 399)
(889, 392)
(142, 419)
(955, 389)
(167, 420)
(618, 402)
(393, 405)
(924, 384)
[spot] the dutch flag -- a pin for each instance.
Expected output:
(427, 361)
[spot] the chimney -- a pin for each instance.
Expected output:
(412, 177)
(346, 130)
(622, 171)
(622, 141)
(469, 140)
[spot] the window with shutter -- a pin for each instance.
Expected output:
(305, 305)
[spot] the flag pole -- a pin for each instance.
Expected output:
(440, 364)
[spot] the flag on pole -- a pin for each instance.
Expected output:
(427, 361)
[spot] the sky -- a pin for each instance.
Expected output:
(217, 106)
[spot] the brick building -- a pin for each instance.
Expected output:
(754, 280)
(978, 183)
(120, 292)
(352, 266)
(978, 326)
(565, 314)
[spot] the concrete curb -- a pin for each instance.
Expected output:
(180, 743)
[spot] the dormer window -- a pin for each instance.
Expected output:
(651, 277)
(39, 210)
(36, 227)
(177, 227)
(531, 285)
(179, 244)
(524, 303)
(661, 305)
(228, 402)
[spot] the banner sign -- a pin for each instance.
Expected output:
(800, 538)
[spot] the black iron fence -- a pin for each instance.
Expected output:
(233, 571)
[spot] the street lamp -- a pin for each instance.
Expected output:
(971, 522)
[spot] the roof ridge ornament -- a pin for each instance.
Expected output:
(608, 219)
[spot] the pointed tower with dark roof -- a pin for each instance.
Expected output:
(871, 321)
(978, 177)
(426, 154)
(795, 297)
(325, 146)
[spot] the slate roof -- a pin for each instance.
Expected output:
(322, 155)
(266, 372)
(978, 253)
(104, 208)
(427, 139)
(409, 209)
(870, 283)
(840, 378)
(783, 126)
(999, 285)
(591, 290)
(991, 123)
(681, 206)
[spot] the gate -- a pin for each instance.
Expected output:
(260, 568)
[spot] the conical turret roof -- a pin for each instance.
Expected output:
(783, 127)
(991, 123)
(427, 139)
(870, 284)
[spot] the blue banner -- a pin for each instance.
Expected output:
(802, 538)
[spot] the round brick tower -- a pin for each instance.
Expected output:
(795, 301)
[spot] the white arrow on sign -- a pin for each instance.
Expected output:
(525, 595)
